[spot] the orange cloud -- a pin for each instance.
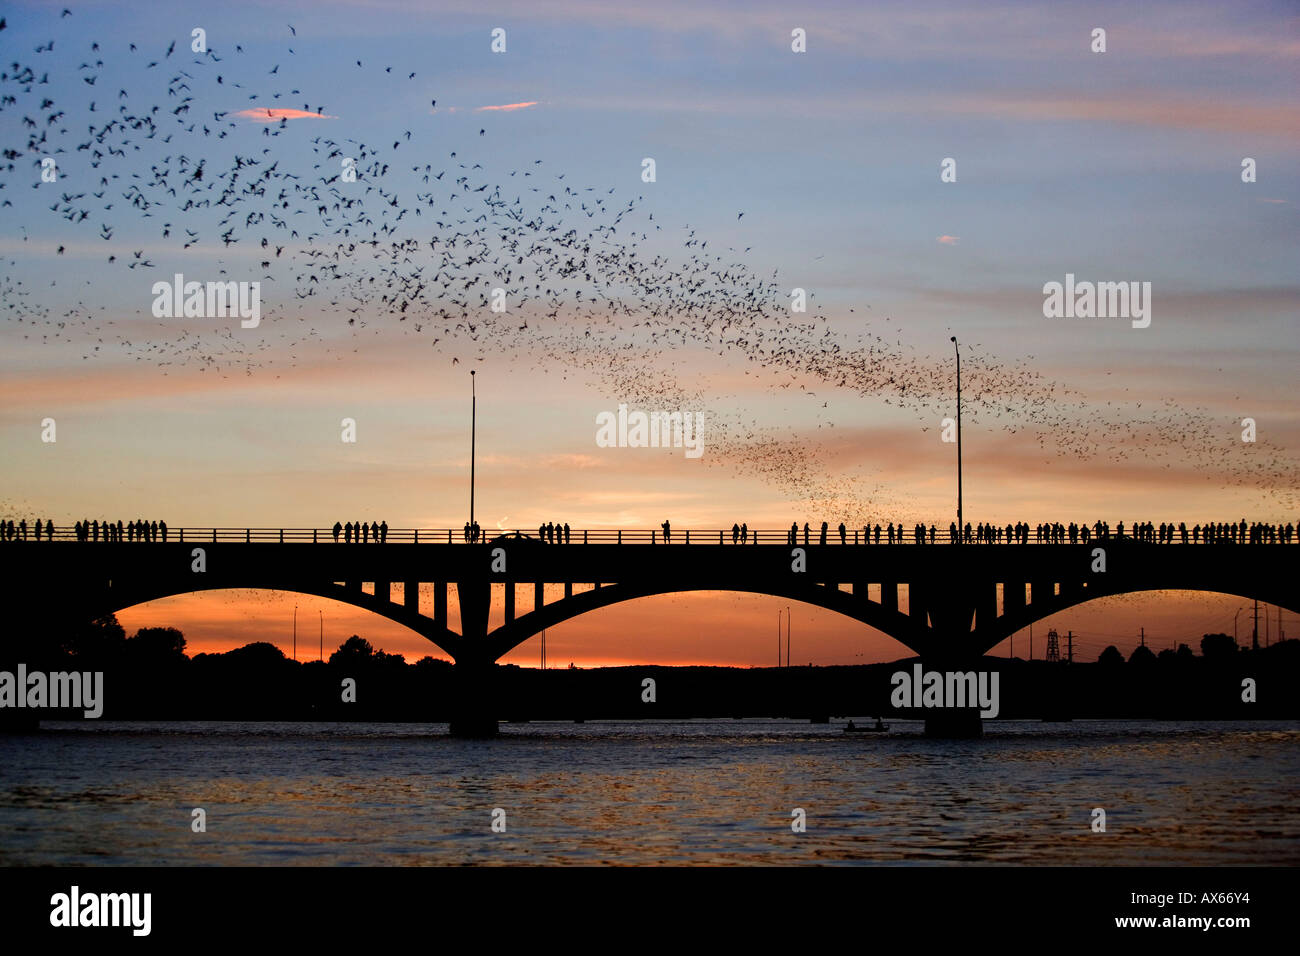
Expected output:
(507, 107)
(275, 114)
(949, 240)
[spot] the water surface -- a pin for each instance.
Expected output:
(712, 792)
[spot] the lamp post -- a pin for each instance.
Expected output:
(473, 440)
(957, 350)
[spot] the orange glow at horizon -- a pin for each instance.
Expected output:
(703, 628)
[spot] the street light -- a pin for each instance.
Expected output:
(473, 426)
(957, 350)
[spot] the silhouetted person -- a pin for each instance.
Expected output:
(735, 533)
(794, 532)
(843, 535)
(338, 530)
(822, 539)
(805, 532)
(347, 533)
(744, 533)
(566, 532)
(383, 532)
(667, 532)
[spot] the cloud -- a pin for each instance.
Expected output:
(508, 107)
(948, 240)
(274, 114)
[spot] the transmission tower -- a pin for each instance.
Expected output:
(1053, 646)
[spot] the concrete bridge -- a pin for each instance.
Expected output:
(960, 599)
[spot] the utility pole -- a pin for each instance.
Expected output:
(1144, 636)
(957, 350)
(778, 637)
(322, 635)
(1069, 645)
(1254, 637)
(295, 632)
(787, 637)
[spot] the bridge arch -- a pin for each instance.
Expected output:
(990, 636)
(892, 623)
(120, 599)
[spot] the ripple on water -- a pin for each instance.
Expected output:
(716, 792)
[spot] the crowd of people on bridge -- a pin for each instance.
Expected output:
(1048, 533)
(361, 533)
(9, 531)
(553, 533)
(93, 530)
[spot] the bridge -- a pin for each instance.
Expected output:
(950, 602)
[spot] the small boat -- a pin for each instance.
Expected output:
(852, 728)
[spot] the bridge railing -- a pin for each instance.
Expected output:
(675, 536)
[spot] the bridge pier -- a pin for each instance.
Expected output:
(474, 714)
(955, 725)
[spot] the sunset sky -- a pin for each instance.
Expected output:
(1116, 166)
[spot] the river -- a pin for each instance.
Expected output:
(684, 792)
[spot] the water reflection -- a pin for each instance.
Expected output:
(683, 792)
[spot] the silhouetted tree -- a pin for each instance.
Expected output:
(258, 654)
(1218, 646)
(355, 650)
(1111, 656)
(97, 641)
(1142, 655)
(157, 644)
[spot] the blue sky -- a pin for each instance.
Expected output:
(1116, 166)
